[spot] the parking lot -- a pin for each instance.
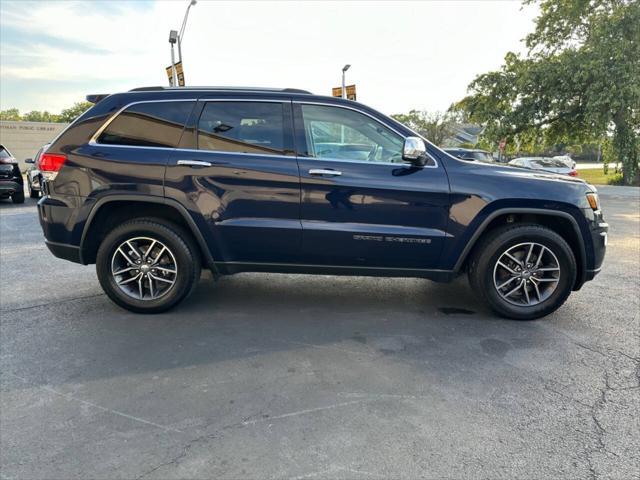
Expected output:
(295, 376)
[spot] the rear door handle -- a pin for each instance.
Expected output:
(194, 163)
(324, 171)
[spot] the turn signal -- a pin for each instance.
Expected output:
(592, 198)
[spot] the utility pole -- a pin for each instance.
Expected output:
(173, 37)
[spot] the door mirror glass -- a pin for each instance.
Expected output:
(414, 151)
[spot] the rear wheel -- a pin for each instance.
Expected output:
(148, 265)
(523, 271)
(18, 197)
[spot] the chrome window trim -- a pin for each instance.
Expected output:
(348, 107)
(94, 139)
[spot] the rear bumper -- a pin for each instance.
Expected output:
(64, 251)
(8, 188)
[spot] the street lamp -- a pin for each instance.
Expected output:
(184, 24)
(344, 88)
(175, 37)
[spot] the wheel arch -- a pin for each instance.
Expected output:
(110, 211)
(560, 222)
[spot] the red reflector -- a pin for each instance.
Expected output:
(573, 173)
(51, 162)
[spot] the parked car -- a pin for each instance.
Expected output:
(568, 161)
(11, 182)
(155, 183)
(471, 155)
(545, 164)
(34, 177)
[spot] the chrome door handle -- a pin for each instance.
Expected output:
(194, 163)
(324, 171)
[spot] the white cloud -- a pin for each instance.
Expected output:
(404, 55)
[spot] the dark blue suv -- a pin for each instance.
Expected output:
(153, 184)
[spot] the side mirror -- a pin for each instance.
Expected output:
(29, 160)
(414, 151)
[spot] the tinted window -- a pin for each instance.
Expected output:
(157, 124)
(342, 134)
(243, 127)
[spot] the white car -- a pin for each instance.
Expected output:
(567, 160)
(544, 163)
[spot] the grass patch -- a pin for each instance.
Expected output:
(596, 176)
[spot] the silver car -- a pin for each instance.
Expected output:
(544, 163)
(34, 178)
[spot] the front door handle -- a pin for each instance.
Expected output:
(324, 171)
(194, 163)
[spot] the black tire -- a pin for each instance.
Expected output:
(18, 197)
(32, 192)
(179, 243)
(489, 250)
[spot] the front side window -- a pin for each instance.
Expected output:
(154, 124)
(242, 127)
(341, 134)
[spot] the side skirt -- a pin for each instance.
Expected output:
(229, 268)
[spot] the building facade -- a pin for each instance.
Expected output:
(24, 139)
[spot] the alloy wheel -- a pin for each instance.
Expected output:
(526, 274)
(144, 268)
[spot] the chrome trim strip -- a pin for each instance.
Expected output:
(194, 163)
(324, 171)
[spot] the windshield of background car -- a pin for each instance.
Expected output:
(4, 153)
(548, 163)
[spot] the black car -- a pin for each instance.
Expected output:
(153, 184)
(469, 154)
(11, 182)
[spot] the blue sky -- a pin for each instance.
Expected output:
(403, 55)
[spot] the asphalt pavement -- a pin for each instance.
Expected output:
(296, 376)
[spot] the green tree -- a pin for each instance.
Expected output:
(13, 114)
(68, 115)
(37, 116)
(578, 83)
(436, 126)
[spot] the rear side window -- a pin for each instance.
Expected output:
(242, 127)
(155, 124)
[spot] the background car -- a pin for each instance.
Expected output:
(570, 162)
(472, 155)
(34, 177)
(11, 182)
(545, 164)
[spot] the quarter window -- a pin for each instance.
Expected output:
(242, 127)
(342, 134)
(156, 124)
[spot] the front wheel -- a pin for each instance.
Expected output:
(147, 265)
(33, 193)
(523, 272)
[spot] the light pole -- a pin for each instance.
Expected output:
(344, 88)
(184, 24)
(173, 37)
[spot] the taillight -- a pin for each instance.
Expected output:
(50, 164)
(573, 173)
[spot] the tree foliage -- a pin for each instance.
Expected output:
(67, 115)
(436, 126)
(579, 82)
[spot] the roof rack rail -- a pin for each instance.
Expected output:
(96, 97)
(248, 89)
